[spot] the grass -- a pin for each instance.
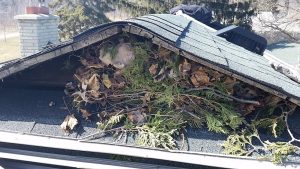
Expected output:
(10, 49)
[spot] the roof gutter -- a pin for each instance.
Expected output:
(206, 159)
(59, 160)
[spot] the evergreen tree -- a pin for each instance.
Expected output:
(225, 11)
(79, 15)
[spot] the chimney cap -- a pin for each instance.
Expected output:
(37, 10)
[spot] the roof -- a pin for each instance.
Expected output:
(34, 116)
(288, 52)
(185, 37)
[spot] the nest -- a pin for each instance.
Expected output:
(137, 88)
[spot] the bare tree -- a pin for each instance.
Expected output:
(282, 21)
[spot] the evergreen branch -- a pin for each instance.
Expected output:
(220, 94)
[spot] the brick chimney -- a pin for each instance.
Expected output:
(37, 29)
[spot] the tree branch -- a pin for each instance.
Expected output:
(293, 139)
(222, 95)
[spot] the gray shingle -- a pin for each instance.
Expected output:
(194, 38)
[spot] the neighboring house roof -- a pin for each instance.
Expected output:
(186, 37)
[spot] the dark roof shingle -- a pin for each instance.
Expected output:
(194, 38)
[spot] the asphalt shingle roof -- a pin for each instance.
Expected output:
(192, 37)
(189, 36)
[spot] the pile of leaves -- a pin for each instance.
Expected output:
(149, 92)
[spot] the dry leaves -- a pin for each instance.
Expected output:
(272, 100)
(153, 69)
(93, 83)
(146, 98)
(119, 80)
(163, 52)
(185, 67)
(229, 84)
(136, 117)
(161, 75)
(85, 114)
(69, 123)
(106, 81)
(200, 78)
(247, 108)
(214, 75)
(230, 81)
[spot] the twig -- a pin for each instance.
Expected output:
(220, 94)
(192, 114)
(66, 105)
(32, 127)
(125, 95)
(198, 89)
(183, 140)
(126, 136)
(120, 136)
(185, 134)
(244, 101)
(93, 136)
(223, 97)
(126, 101)
(293, 139)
